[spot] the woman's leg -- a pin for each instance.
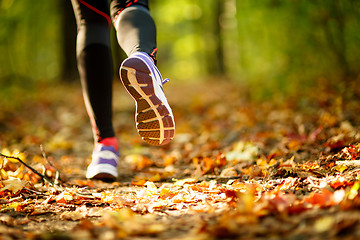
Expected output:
(95, 63)
(135, 28)
(136, 34)
(96, 73)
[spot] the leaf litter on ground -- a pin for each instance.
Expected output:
(237, 168)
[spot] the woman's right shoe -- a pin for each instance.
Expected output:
(154, 118)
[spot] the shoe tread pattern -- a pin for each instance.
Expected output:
(153, 119)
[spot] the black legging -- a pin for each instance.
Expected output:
(135, 30)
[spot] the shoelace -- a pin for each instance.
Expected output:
(165, 81)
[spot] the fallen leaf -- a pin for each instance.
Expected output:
(324, 224)
(72, 215)
(13, 184)
(138, 162)
(151, 188)
(185, 181)
(64, 197)
(242, 151)
(325, 198)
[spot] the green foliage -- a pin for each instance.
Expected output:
(276, 44)
(181, 46)
(30, 43)
(271, 42)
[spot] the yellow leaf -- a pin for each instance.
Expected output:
(242, 152)
(107, 197)
(3, 174)
(155, 178)
(13, 184)
(14, 205)
(16, 153)
(340, 168)
(164, 192)
(184, 181)
(324, 224)
(6, 152)
(151, 188)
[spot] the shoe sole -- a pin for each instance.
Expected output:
(104, 172)
(105, 177)
(154, 122)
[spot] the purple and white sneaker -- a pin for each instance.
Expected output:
(154, 118)
(104, 163)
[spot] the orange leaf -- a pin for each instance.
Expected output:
(141, 182)
(169, 160)
(166, 193)
(286, 184)
(83, 183)
(138, 162)
(295, 144)
(325, 198)
(340, 182)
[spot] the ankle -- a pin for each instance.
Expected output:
(110, 141)
(153, 56)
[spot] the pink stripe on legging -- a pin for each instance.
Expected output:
(97, 11)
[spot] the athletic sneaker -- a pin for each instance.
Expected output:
(104, 163)
(154, 118)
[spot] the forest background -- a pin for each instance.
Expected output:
(279, 45)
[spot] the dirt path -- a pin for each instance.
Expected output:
(238, 168)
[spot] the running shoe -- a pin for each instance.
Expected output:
(154, 118)
(104, 163)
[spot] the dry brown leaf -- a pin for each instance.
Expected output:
(13, 184)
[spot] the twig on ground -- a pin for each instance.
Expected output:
(36, 192)
(88, 196)
(42, 176)
(57, 172)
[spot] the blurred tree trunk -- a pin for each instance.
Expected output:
(69, 31)
(210, 27)
(334, 28)
(218, 33)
